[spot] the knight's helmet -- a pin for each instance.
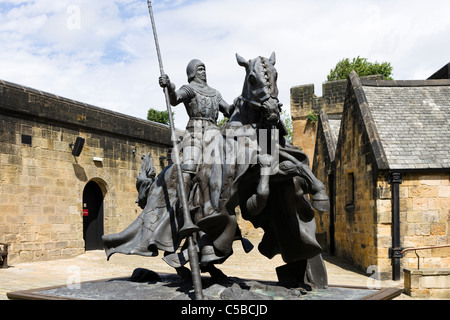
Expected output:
(191, 69)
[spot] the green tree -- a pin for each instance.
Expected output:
(222, 121)
(287, 120)
(159, 116)
(362, 68)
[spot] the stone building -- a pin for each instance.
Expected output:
(57, 197)
(387, 170)
(323, 167)
(306, 108)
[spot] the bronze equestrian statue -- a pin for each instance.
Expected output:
(245, 165)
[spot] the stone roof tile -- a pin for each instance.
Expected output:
(413, 122)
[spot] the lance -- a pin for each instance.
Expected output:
(188, 228)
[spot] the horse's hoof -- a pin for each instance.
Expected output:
(209, 256)
(184, 273)
(321, 202)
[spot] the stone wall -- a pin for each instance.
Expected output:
(42, 183)
(424, 219)
(323, 168)
(304, 136)
(304, 101)
(362, 198)
(364, 206)
(355, 226)
(424, 209)
(428, 283)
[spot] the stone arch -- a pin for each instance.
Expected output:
(93, 215)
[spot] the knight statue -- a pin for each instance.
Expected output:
(273, 187)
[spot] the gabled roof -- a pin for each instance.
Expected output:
(330, 129)
(408, 122)
(443, 73)
(335, 125)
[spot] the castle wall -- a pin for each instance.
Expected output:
(424, 202)
(42, 183)
(304, 102)
(323, 168)
(356, 229)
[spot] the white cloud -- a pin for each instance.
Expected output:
(110, 60)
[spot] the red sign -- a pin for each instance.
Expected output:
(85, 212)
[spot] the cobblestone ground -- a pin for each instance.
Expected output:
(93, 266)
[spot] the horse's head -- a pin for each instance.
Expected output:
(147, 168)
(260, 87)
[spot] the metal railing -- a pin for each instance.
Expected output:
(422, 248)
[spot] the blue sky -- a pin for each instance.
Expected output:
(102, 52)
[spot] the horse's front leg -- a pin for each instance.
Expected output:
(257, 202)
(320, 200)
(313, 186)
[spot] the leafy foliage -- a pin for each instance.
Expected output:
(159, 116)
(362, 68)
(312, 116)
(287, 120)
(222, 121)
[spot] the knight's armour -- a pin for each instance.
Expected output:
(202, 103)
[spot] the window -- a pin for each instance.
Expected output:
(350, 199)
(26, 139)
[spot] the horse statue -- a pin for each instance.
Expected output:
(250, 167)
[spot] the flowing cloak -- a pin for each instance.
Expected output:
(287, 220)
(155, 228)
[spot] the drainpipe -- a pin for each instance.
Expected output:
(395, 253)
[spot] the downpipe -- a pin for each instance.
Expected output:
(395, 253)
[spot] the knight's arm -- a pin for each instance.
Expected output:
(226, 109)
(176, 96)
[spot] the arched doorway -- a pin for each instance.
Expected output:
(93, 216)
